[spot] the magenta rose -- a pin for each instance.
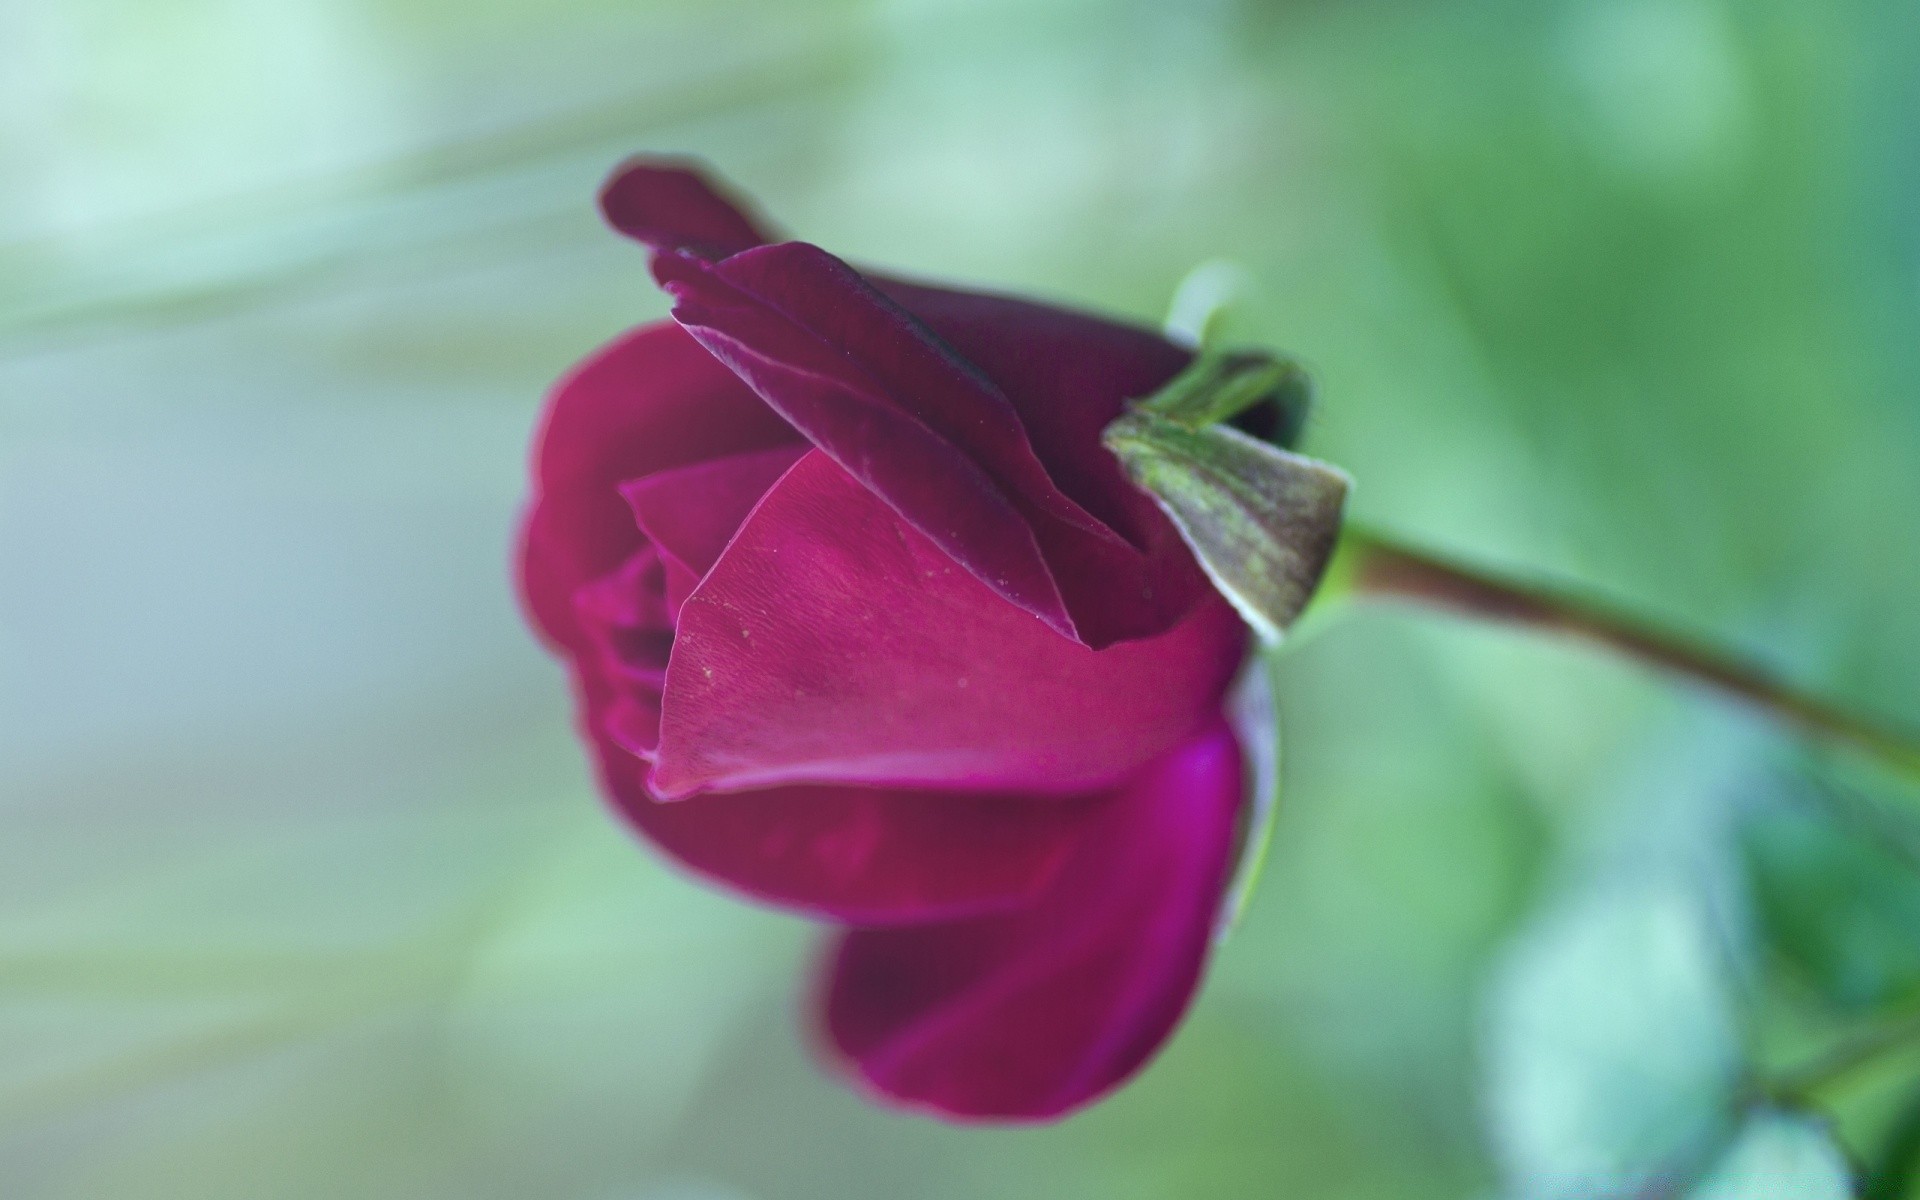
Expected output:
(866, 624)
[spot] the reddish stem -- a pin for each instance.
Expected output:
(1384, 568)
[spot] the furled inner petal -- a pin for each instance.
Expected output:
(1028, 1015)
(829, 396)
(623, 619)
(651, 400)
(690, 513)
(835, 643)
(923, 428)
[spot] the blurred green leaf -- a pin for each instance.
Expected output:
(1612, 1052)
(1838, 897)
(1894, 1164)
(1778, 1156)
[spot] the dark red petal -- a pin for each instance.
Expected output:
(623, 616)
(830, 396)
(865, 856)
(651, 400)
(671, 205)
(690, 513)
(834, 643)
(1067, 375)
(1029, 1015)
(625, 638)
(941, 442)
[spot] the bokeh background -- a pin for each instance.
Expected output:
(304, 891)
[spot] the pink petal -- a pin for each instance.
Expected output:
(943, 443)
(690, 513)
(1029, 1015)
(865, 856)
(1067, 376)
(834, 643)
(651, 400)
(625, 638)
(670, 205)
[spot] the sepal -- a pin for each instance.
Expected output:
(1262, 521)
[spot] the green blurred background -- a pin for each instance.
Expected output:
(304, 891)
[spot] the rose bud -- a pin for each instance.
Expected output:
(865, 623)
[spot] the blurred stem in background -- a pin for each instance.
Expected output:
(1371, 564)
(1799, 1086)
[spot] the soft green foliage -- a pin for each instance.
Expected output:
(1613, 1053)
(1837, 885)
(1778, 1156)
(303, 889)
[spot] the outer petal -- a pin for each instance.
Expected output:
(670, 205)
(942, 443)
(1029, 1015)
(864, 856)
(650, 400)
(834, 643)
(1067, 375)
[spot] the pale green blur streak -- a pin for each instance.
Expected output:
(303, 889)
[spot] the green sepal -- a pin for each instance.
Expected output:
(1262, 521)
(1222, 385)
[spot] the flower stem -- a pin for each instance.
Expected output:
(1798, 1086)
(1378, 566)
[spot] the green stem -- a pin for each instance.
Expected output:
(1378, 566)
(1797, 1087)
(1890, 1171)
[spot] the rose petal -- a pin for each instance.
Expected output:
(623, 617)
(690, 513)
(1029, 1015)
(670, 205)
(626, 637)
(1067, 375)
(651, 400)
(833, 643)
(866, 856)
(941, 442)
